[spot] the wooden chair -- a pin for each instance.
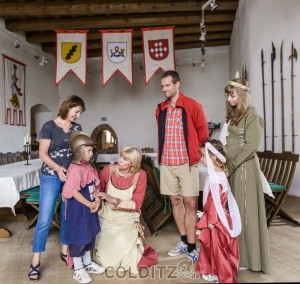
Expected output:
(33, 155)
(147, 150)
(10, 157)
(3, 160)
(19, 156)
(155, 211)
(279, 170)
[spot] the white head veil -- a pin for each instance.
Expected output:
(214, 180)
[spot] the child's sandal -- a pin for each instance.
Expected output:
(34, 272)
(64, 257)
(67, 260)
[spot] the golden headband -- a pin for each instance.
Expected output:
(238, 85)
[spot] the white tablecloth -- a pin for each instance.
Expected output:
(15, 178)
(107, 158)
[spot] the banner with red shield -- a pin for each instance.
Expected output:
(158, 47)
(71, 54)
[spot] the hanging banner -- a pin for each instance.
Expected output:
(71, 54)
(14, 91)
(158, 50)
(116, 54)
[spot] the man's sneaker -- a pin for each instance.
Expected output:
(94, 268)
(179, 249)
(193, 255)
(210, 277)
(82, 276)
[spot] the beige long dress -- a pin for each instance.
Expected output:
(246, 184)
(118, 244)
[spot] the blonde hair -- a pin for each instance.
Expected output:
(79, 152)
(134, 155)
(236, 113)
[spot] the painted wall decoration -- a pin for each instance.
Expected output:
(14, 91)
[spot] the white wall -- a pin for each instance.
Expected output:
(39, 87)
(130, 111)
(41, 115)
(258, 24)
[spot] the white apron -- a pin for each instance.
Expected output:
(118, 243)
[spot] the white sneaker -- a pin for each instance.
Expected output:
(94, 268)
(179, 249)
(210, 277)
(82, 276)
(193, 255)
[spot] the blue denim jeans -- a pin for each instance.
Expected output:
(50, 189)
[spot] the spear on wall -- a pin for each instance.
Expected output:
(282, 98)
(293, 57)
(264, 97)
(273, 56)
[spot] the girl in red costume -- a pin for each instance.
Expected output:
(219, 253)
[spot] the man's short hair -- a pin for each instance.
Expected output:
(173, 74)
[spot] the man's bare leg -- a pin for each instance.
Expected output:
(179, 212)
(190, 217)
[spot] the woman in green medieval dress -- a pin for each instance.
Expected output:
(242, 140)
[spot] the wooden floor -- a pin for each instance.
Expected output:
(284, 240)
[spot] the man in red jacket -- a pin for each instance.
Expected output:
(182, 128)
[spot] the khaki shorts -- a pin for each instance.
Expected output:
(179, 180)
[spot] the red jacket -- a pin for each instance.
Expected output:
(195, 127)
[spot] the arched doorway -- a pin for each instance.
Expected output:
(39, 114)
(106, 139)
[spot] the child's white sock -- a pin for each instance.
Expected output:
(87, 258)
(78, 264)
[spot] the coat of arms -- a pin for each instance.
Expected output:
(70, 51)
(117, 51)
(158, 49)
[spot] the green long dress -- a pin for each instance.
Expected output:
(245, 181)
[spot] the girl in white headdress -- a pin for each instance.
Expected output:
(219, 253)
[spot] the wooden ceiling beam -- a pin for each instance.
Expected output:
(82, 8)
(104, 22)
(48, 37)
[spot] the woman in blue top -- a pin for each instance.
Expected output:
(54, 150)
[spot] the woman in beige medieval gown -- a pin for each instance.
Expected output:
(120, 242)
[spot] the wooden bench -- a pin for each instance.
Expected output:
(279, 170)
(32, 198)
